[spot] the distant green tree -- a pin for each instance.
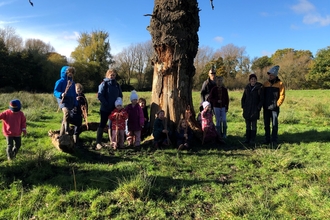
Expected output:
(319, 74)
(260, 66)
(92, 57)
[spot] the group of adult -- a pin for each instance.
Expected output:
(268, 96)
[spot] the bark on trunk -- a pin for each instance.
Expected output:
(174, 25)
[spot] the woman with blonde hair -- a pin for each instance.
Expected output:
(108, 92)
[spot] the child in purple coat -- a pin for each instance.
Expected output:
(135, 121)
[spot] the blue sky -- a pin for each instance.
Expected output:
(261, 26)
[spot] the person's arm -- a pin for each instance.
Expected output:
(101, 92)
(243, 98)
(281, 95)
(58, 89)
(203, 91)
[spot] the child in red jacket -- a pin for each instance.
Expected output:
(14, 123)
(118, 117)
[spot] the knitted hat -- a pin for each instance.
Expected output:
(274, 70)
(253, 75)
(15, 105)
(119, 101)
(206, 103)
(134, 95)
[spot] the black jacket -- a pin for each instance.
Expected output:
(252, 101)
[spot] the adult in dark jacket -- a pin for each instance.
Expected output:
(251, 103)
(208, 85)
(65, 93)
(108, 92)
(274, 95)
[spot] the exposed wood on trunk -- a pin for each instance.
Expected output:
(174, 25)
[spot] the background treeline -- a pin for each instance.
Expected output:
(33, 65)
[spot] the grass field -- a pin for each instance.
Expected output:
(291, 181)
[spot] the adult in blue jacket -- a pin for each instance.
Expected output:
(108, 92)
(65, 93)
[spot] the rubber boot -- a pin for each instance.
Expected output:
(99, 135)
(253, 137)
(76, 140)
(224, 131)
(218, 129)
(247, 137)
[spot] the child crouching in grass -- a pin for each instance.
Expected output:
(14, 124)
(184, 135)
(159, 132)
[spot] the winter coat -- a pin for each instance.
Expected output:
(69, 100)
(252, 101)
(219, 93)
(108, 92)
(157, 131)
(206, 89)
(274, 93)
(118, 120)
(13, 123)
(135, 120)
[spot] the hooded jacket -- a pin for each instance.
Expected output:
(69, 100)
(108, 92)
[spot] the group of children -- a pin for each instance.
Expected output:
(131, 121)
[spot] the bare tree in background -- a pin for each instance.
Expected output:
(39, 46)
(13, 42)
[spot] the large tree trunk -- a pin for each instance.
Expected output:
(174, 25)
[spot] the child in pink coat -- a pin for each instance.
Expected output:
(135, 121)
(14, 124)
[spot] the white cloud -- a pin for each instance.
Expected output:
(314, 18)
(303, 7)
(219, 39)
(310, 13)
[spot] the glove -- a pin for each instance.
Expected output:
(272, 107)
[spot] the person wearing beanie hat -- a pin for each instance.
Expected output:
(65, 94)
(13, 125)
(251, 103)
(252, 75)
(134, 96)
(118, 119)
(273, 98)
(135, 121)
(108, 92)
(205, 104)
(274, 70)
(208, 127)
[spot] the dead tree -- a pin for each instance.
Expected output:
(174, 25)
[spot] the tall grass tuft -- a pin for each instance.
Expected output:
(135, 186)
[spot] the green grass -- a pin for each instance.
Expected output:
(290, 181)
